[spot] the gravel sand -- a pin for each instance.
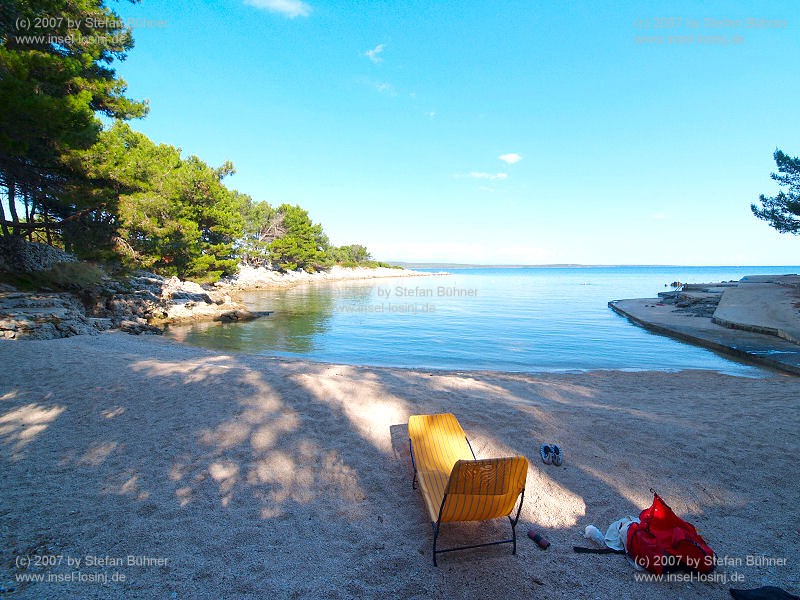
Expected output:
(136, 467)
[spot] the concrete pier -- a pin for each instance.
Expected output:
(756, 319)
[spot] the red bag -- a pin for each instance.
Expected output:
(663, 542)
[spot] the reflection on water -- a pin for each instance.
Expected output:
(520, 320)
(300, 319)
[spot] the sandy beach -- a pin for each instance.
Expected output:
(157, 470)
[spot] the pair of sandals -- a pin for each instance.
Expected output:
(551, 454)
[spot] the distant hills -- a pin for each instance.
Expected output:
(445, 265)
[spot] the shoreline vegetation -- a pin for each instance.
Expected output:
(52, 295)
(258, 278)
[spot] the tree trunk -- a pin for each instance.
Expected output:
(46, 219)
(12, 205)
(3, 220)
(30, 209)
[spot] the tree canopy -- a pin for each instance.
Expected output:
(302, 243)
(782, 211)
(112, 193)
(55, 79)
(170, 214)
(352, 255)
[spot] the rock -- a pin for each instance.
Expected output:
(21, 256)
(241, 315)
(219, 297)
(42, 316)
(179, 296)
(197, 311)
(185, 301)
(138, 327)
(135, 306)
(228, 317)
(101, 324)
(50, 315)
(145, 280)
(698, 300)
(174, 287)
(253, 278)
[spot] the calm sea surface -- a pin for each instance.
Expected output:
(524, 320)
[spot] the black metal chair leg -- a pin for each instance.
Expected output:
(513, 534)
(435, 535)
(413, 465)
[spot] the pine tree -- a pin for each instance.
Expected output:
(303, 245)
(782, 211)
(54, 82)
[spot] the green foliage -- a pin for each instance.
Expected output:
(351, 255)
(174, 214)
(75, 275)
(259, 229)
(53, 82)
(113, 194)
(287, 239)
(355, 255)
(302, 245)
(63, 277)
(782, 211)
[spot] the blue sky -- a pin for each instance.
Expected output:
(488, 132)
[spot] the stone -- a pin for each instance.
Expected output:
(181, 296)
(138, 327)
(136, 305)
(21, 256)
(101, 324)
(42, 316)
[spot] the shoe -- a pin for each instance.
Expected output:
(547, 456)
(557, 457)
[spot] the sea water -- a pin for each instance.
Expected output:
(501, 319)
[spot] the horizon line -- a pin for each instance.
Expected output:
(452, 265)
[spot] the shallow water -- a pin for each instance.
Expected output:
(522, 320)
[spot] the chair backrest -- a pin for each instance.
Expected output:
(438, 442)
(484, 489)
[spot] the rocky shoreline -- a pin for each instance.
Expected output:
(146, 302)
(143, 304)
(258, 278)
(756, 319)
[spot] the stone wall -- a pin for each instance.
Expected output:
(20, 256)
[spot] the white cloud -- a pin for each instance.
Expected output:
(431, 114)
(386, 88)
(373, 54)
(510, 158)
(288, 8)
(481, 175)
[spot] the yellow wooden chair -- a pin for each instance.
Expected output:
(458, 487)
